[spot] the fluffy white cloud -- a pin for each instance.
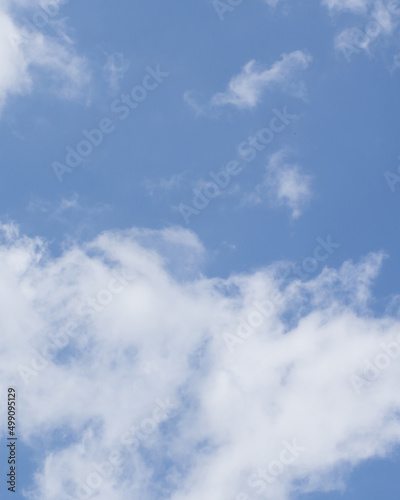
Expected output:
(252, 364)
(245, 89)
(284, 184)
(30, 58)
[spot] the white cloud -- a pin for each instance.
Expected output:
(375, 20)
(245, 90)
(31, 59)
(284, 184)
(154, 336)
(379, 22)
(349, 42)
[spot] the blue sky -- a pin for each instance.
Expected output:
(292, 107)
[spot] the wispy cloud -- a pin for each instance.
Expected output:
(114, 71)
(190, 99)
(31, 59)
(378, 23)
(375, 21)
(245, 89)
(163, 184)
(350, 5)
(284, 184)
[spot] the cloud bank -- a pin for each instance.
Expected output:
(127, 359)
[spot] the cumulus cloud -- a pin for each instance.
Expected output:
(107, 336)
(245, 89)
(30, 58)
(284, 184)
